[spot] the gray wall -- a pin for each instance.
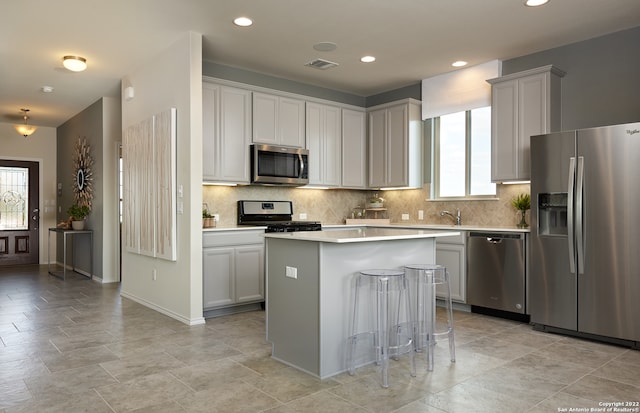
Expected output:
(257, 79)
(602, 81)
(100, 125)
(86, 124)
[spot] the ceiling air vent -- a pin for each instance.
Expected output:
(321, 64)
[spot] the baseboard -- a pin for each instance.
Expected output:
(500, 313)
(243, 308)
(167, 312)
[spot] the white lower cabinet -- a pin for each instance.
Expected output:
(450, 252)
(233, 268)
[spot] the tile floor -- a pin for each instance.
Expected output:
(77, 346)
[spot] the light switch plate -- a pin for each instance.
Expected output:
(291, 272)
(405, 217)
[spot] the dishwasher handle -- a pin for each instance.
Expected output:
(495, 237)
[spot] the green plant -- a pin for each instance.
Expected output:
(522, 202)
(206, 214)
(78, 213)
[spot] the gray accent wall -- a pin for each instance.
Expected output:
(258, 79)
(602, 83)
(100, 125)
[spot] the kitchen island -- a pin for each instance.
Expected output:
(309, 277)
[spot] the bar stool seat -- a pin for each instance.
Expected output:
(386, 319)
(424, 279)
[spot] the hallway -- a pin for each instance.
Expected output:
(77, 346)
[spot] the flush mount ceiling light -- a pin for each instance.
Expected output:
(535, 3)
(74, 63)
(242, 21)
(25, 129)
(325, 46)
(459, 63)
(367, 59)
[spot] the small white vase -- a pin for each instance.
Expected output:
(77, 225)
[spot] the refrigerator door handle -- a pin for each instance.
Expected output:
(579, 214)
(570, 226)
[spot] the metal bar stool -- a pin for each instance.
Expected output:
(387, 317)
(426, 278)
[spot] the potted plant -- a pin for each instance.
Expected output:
(78, 214)
(522, 203)
(207, 219)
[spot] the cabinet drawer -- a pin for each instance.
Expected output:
(453, 239)
(227, 238)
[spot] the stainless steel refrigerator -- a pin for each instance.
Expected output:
(585, 233)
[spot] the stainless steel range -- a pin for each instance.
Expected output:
(277, 216)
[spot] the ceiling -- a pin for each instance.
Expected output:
(412, 40)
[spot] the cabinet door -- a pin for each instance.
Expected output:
(249, 273)
(533, 115)
(397, 146)
(291, 122)
(354, 149)
(210, 129)
(332, 146)
(315, 143)
(324, 144)
(504, 131)
(218, 268)
(265, 118)
(377, 148)
(452, 256)
(235, 135)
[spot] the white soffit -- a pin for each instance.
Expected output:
(463, 89)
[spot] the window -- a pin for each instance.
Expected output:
(14, 198)
(462, 155)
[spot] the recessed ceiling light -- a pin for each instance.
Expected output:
(47, 89)
(459, 63)
(74, 63)
(367, 59)
(243, 21)
(535, 3)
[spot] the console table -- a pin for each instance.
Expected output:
(72, 233)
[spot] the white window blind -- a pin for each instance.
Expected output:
(457, 91)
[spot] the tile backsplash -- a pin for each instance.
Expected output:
(335, 205)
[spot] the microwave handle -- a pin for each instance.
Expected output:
(302, 165)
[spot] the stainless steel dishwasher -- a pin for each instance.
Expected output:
(496, 270)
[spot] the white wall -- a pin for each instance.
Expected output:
(172, 79)
(39, 147)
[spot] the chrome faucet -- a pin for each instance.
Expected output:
(457, 216)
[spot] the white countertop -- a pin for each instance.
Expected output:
(437, 227)
(361, 234)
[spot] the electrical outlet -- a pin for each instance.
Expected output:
(291, 272)
(405, 217)
(420, 214)
(303, 216)
(216, 217)
(154, 274)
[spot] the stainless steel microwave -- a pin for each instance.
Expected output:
(279, 165)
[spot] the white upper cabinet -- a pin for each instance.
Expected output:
(226, 133)
(324, 142)
(395, 145)
(522, 104)
(354, 149)
(278, 120)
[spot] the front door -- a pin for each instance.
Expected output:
(19, 213)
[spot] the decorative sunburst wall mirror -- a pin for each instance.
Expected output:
(82, 175)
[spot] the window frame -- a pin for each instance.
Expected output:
(435, 159)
